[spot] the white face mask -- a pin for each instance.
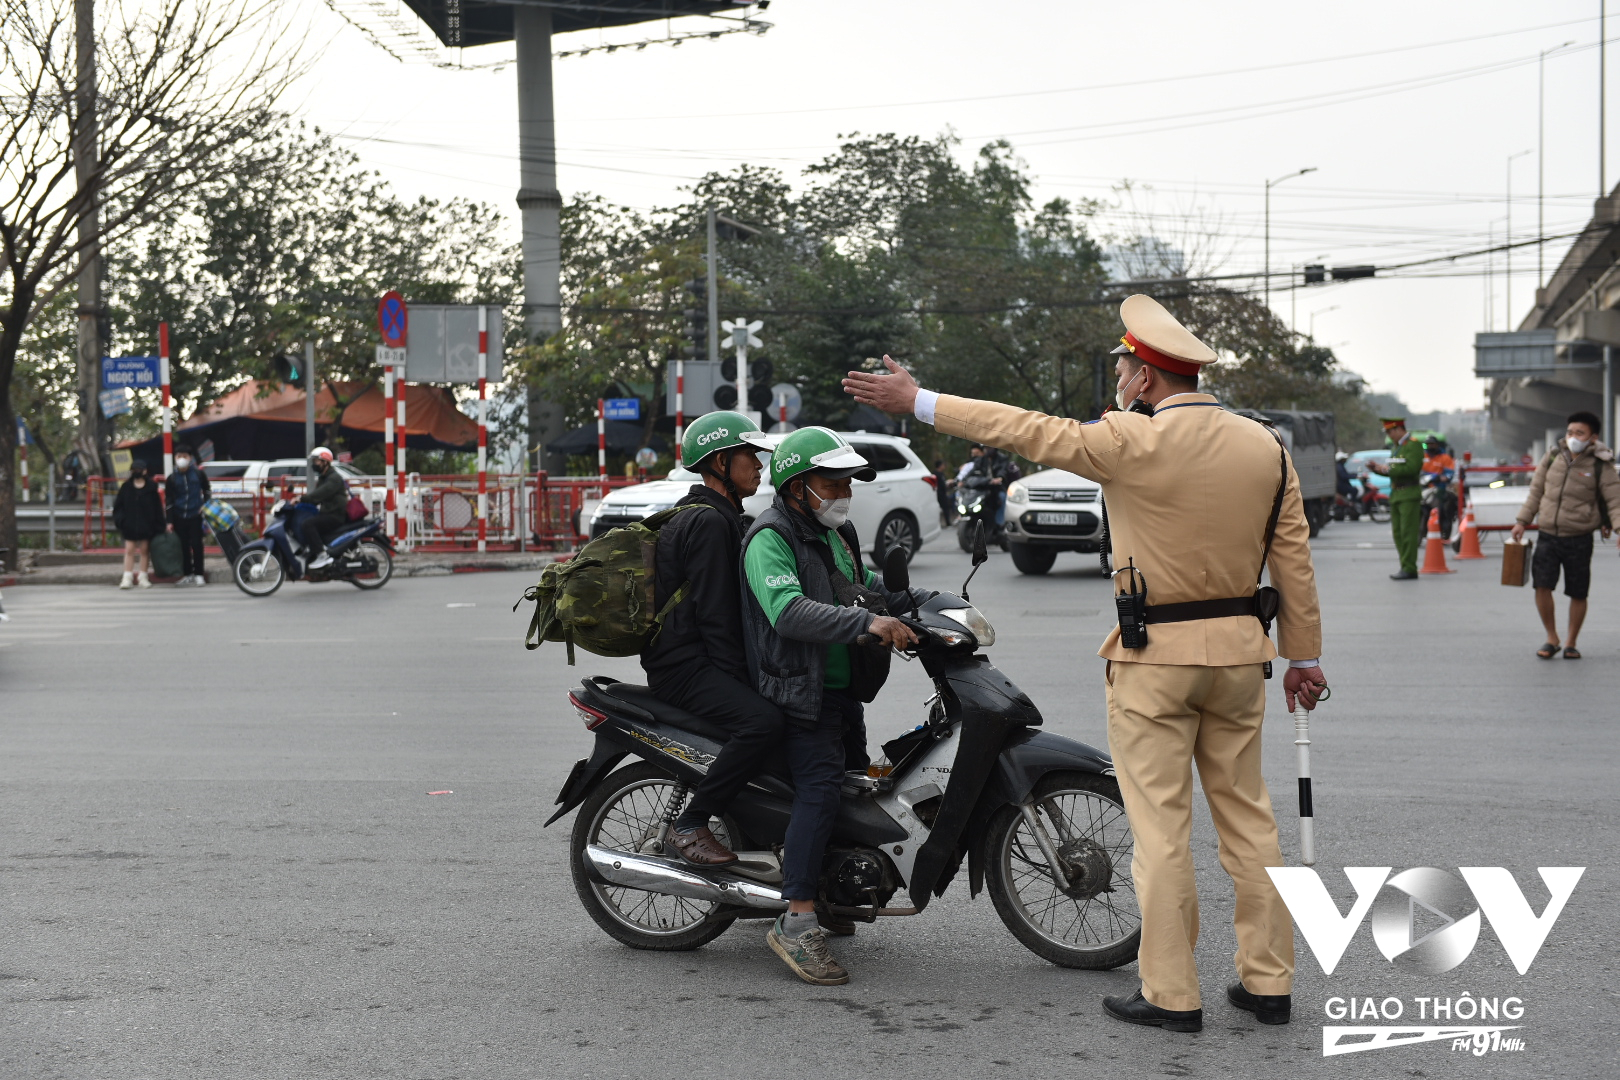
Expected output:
(1119, 394)
(182, 463)
(1576, 446)
(831, 512)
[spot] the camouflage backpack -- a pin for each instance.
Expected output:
(602, 598)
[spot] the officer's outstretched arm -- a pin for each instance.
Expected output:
(1088, 449)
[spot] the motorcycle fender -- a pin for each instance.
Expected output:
(256, 545)
(586, 774)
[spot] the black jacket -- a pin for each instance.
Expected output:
(705, 548)
(184, 492)
(137, 511)
(329, 494)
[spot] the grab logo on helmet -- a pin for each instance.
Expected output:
(709, 437)
(791, 460)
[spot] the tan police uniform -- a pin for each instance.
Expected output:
(1189, 492)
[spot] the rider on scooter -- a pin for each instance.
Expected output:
(327, 492)
(802, 613)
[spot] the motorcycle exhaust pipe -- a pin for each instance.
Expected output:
(657, 875)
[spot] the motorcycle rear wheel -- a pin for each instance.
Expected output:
(378, 552)
(1095, 923)
(625, 812)
(257, 573)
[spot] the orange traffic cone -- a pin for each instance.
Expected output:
(1434, 552)
(1470, 536)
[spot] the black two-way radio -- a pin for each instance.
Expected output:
(1132, 607)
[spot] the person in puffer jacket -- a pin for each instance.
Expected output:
(1576, 491)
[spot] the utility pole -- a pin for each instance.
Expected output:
(310, 386)
(86, 141)
(713, 277)
(1603, 101)
(1269, 185)
(540, 205)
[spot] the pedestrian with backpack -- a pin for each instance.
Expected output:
(697, 660)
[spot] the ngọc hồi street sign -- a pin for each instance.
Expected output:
(136, 372)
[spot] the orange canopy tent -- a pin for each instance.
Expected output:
(259, 421)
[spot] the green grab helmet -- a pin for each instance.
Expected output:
(820, 450)
(716, 431)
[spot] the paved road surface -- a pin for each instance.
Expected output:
(220, 859)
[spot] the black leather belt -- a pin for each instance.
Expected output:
(1192, 610)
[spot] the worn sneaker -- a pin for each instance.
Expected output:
(807, 955)
(321, 560)
(128, 580)
(142, 581)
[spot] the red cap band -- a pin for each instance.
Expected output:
(1149, 355)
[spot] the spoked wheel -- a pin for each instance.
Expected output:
(626, 812)
(1092, 920)
(257, 573)
(376, 554)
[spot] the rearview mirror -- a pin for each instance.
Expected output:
(896, 570)
(980, 552)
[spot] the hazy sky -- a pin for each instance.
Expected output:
(1408, 111)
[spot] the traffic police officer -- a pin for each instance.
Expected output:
(1403, 468)
(1190, 492)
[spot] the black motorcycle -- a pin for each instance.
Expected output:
(977, 501)
(1037, 817)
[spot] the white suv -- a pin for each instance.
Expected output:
(897, 509)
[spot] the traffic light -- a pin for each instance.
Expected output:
(290, 370)
(759, 392)
(1349, 273)
(1315, 274)
(725, 396)
(697, 320)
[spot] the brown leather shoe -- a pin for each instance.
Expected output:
(700, 848)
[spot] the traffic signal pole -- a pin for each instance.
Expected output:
(309, 397)
(714, 296)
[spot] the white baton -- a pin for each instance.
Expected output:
(1307, 821)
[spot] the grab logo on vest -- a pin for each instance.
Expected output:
(781, 581)
(1425, 921)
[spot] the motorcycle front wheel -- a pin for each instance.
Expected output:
(626, 812)
(377, 552)
(257, 573)
(1092, 921)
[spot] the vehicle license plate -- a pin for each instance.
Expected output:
(1056, 519)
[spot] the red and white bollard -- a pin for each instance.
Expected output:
(399, 458)
(483, 430)
(601, 443)
(168, 409)
(680, 405)
(389, 508)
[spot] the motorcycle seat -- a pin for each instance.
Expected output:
(643, 698)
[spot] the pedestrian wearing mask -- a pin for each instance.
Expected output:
(1575, 491)
(185, 491)
(1193, 690)
(138, 516)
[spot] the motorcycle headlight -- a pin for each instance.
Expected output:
(970, 617)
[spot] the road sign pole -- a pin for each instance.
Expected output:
(168, 407)
(400, 390)
(741, 341)
(483, 429)
(601, 442)
(680, 405)
(310, 386)
(388, 443)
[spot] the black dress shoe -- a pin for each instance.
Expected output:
(1404, 575)
(1137, 1009)
(1267, 1008)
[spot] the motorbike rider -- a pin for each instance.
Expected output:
(698, 661)
(806, 603)
(994, 471)
(1439, 472)
(328, 493)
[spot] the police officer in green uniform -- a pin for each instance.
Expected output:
(1403, 468)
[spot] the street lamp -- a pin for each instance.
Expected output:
(1541, 155)
(1269, 185)
(1508, 243)
(1314, 314)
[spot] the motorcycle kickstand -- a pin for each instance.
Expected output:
(1054, 862)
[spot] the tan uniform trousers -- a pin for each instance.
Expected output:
(1161, 718)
